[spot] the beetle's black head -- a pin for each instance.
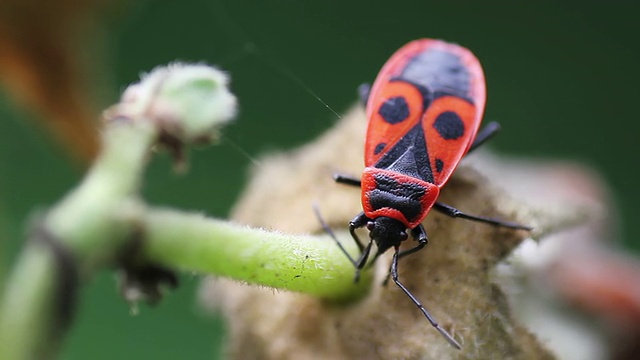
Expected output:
(387, 232)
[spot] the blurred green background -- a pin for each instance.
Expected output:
(563, 79)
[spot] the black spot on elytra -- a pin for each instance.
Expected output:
(439, 165)
(449, 125)
(395, 110)
(427, 95)
(379, 148)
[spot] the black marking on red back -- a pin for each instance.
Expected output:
(427, 94)
(405, 197)
(409, 156)
(379, 148)
(394, 110)
(441, 72)
(449, 125)
(434, 73)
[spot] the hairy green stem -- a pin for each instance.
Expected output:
(95, 222)
(88, 218)
(87, 225)
(308, 264)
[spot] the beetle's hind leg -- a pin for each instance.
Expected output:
(455, 213)
(347, 180)
(486, 133)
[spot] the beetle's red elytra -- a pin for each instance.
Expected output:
(424, 111)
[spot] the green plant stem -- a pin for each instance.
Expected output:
(95, 222)
(309, 264)
(88, 219)
(86, 223)
(26, 309)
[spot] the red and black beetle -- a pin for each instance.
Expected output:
(424, 111)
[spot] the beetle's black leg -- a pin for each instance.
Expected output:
(394, 276)
(363, 93)
(362, 260)
(453, 212)
(347, 180)
(420, 235)
(486, 133)
(357, 222)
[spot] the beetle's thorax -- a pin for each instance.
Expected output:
(393, 195)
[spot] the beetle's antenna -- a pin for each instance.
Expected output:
(240, 150)
(327, 229)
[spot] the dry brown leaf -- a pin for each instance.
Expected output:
(452, 276)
